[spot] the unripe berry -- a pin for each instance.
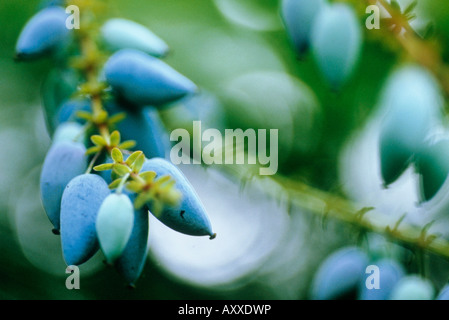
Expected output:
(433, 167)
(114, 224)
(413, 288)
(69, 132)
(412, 107)
(336, 43)
(299, 16)
(125, 34)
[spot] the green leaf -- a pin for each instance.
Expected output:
(138, 163)
(126, 145)
(395, 5)
(135, 186)
(121, 169)
(84, 115)
(116, 118)
(103, 167)
(410, 7)
(133, 157)
(140, 200)
(114, 184)
(93, 150)
(148, 176)
(98, 140)
(117, 155)
(115, 138)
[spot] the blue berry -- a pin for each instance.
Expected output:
(122, 34)
(45, 32)
(145, 127)
(80, 203)
(298, 16)
(67, 111)
(189, 216)
(444, 293)
(131, 262)
(145, 80)
(340, 274)
(114, 224)
(64, 161)
(336, 43)
(390, 272)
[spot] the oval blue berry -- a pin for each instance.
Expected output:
(336, 43)
(44, 32)
(67, 111)
(339, 274)
(433, 167)
(80, 203)
(63, 162)
(298, 17)
(122, 34)
(412, 107)
(145, 127)
(390, 272)
(189, 216)
(444, 293)
(131, 262)
(145, 80)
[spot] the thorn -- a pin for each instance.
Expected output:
(212, 237)
(131, 286)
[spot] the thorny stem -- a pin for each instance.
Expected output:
(89, 48)
(417, 49)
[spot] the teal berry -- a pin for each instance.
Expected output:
(45, 32)
(69, 132)
(390, 273)
(143, 126)
(412, 107)
(64, 161)
(340, 274)
(336, 43)
(298, 17)
(190, 216)
(145, 80)
(433, 167)
(413, 287)
(80, 203)
(114, 224)
(444, 293)
(132, 260)
(119, 34)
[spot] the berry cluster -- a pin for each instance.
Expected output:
(331, 31)
(346, 273)
(105, 170)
